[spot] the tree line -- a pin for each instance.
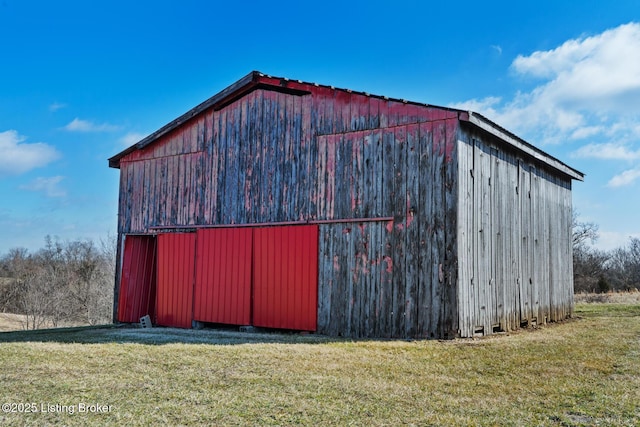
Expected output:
(64, 283)
(599, 271)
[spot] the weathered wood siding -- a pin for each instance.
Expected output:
(514, 239)
(426, 229)
(395, 278)
(330, 155)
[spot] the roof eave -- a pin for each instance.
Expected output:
(226, 95)
(499, 132)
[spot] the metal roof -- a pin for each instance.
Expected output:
(257, 79)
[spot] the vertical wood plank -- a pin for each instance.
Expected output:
(426, 224)
(398, 241)
(437, 237)
(450, 228)
(412, 233)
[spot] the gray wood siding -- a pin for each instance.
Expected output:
(514, 240)
(391, 278)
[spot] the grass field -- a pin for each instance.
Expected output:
(582, 372)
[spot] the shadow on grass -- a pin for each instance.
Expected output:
(220, 335)
(128, 334)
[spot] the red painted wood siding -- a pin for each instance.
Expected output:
(286, 277)
(223, 276)
(222, 166)
(176, 262)
(138, 280)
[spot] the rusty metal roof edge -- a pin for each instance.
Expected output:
(522, 145)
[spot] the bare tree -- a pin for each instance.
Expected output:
(625, 266)
(583, 231)
(26, 295)
(590, 269)
(589, 265)
(70, 282)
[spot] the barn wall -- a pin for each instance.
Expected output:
(514, 240)
(222, 166)
(393, 278)
(331, 155)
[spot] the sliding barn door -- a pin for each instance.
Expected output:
(285, 287)
(176, 263)
(223, 276)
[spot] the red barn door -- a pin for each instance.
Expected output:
(176, 262)
(223, 276)
(286, 277)
(136, 296)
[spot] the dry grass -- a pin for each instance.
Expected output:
(11, 322)
(17, 322)
(632, 297)
(583, 372)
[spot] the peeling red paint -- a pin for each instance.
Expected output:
(451, 139)
(331, 175)
(364, 261)
(410, 212)
(389, 262)
(362, 226)
(336, 264)
(390, 226)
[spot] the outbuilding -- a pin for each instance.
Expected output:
(284, 204)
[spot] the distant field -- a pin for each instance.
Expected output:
(582, 372)
(11, 322)
(17, 322)
(611, 297)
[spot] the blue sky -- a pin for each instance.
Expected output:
(82, 80)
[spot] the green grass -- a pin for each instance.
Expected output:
(582, 372)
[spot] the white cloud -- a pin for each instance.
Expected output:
(132, 138)
(497, 49)
(56, 106)
(49, 186)
(586, 132)
(627, 177)
(597, 68)
(17, 157)
(587, 86)
(607, 151)
(585, 90)
(78, 125)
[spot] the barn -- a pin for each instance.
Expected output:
(292, 205)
